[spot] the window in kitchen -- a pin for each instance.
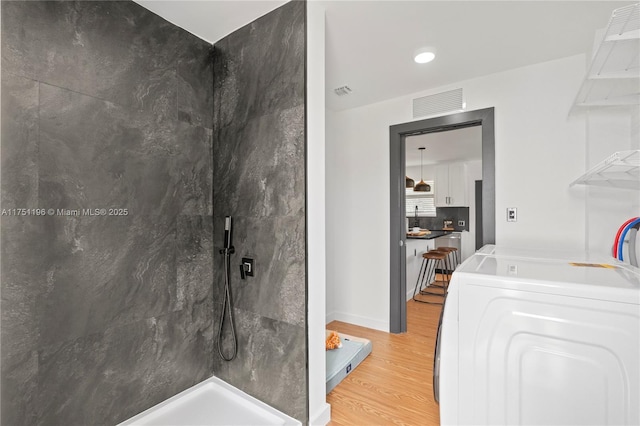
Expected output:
(424, 200)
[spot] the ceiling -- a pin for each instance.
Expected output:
(443, 147)
(211, 20)
(370, 44)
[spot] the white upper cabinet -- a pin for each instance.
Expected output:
(441, 185)
(451, 185)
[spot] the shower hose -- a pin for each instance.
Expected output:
(226, 307)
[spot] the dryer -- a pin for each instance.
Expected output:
(539, 338)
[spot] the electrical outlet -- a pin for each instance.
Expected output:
(461, 223)
(512, 214)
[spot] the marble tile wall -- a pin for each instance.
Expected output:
(104, 105)
(259, 179)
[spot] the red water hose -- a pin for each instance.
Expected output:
(614, 249)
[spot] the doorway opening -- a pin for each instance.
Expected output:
(397, 147)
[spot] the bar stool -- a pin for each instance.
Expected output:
(452, 259)
(430, 262)
(432, 277)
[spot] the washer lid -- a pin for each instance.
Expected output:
(612, 280)
(533, 253)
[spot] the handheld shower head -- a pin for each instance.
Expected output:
(227, 232)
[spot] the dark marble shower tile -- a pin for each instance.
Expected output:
(18, 380)
(259, 68)
(128, 59)
(94, 154)
(96, 324)
(259, 179)
(194, 261)
(210, 174)
(19, 142)
(22, 255)
(110, 376)
(195, 81)
(105, 271)
(277, 245)
(191, 168)
(271, 362)
(218, 271)
(259, 167)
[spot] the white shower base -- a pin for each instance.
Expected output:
(209, 403)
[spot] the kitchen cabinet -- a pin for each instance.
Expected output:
(415, 249)
(450, 185)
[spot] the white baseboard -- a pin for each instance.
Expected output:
(331, 316)
(360, 320)
(410, 293)
(321, 417)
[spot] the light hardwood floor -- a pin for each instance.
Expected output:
(393, 385)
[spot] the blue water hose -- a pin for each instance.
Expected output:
(633, 235)
(624, 234)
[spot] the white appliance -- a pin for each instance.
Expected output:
(539, 338)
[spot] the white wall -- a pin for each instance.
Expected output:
(319, 410)
(539, 151)
(357, 213)
(331, 254)
(609, 130)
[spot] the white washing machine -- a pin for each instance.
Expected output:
(537, 338)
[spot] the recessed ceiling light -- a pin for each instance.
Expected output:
(425, 55)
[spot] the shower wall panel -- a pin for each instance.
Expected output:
(259, 179)
(104, 106)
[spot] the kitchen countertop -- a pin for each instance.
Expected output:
(431, 236)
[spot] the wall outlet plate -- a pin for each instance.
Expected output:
(461, 223)
(512, 214)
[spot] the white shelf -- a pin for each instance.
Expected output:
(614, 74)
(619, 170)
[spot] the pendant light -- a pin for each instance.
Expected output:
(422, 186)
(410, 183)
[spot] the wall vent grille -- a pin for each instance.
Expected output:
(342, 90)
(438, 103)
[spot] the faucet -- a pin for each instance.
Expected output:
(415, 221)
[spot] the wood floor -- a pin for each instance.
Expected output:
(394, 384)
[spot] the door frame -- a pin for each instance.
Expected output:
(397, 135)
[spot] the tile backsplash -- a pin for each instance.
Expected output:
(443, 213)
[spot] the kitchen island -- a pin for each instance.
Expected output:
(417, 245)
